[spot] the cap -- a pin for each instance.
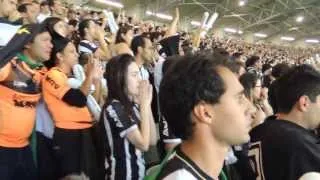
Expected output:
(23, 36)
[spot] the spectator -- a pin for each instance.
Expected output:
(56, 26)
(127, 119)
(123, 40)
(44, 11)
(277, 71)
(144, 53)
(257, 95)
(287, 138)
(90, 32)
(254, 65)
(237, 67)
(7, 28)
(20, 77)
(168, 140)
(76, 129)
(210, 93)
(56, 8)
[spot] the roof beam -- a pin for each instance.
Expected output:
(204, 7)
(286, 5)
(263, 21)
(232, 13)
(306, 11)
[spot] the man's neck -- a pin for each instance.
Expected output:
(296, 119)
(209, 156)
(65, 69)
(139, 61)
(30, 57)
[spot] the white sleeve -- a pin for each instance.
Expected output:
(74, 83)
(79, 77)
(180, 175)
(104, 83)
(158, 73)
(93, 107)
(78, 72)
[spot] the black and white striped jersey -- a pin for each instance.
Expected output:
(123, 160)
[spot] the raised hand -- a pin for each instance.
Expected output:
(145, 93)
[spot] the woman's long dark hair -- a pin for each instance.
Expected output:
(50, 22)
(82, 25)
(122, 31)
(248, 81)
(116, 75)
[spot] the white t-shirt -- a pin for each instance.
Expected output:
(158, 73)
(41, 17)
(180, 175)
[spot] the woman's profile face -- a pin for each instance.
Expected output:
(133, 79)
(128, 37)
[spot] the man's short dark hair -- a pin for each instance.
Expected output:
(44, 3)
(23, 7)
(123, 29)
(82, 26)
(186, 83)
(248, 81)
(138, 41)
(280, 69)
(299, 81)
(51, 3)
(235, 66)
(222, 52)
(266, 67)
(251, 61)
(237, 55)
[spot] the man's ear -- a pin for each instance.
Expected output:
(59, 58)
(303, 103)
(140, 49)
(203, 113)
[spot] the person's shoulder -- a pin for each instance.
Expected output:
(176, 168)
(115, 102)
(281, 133)
(56, 73)
(114, 107)
(273, 127)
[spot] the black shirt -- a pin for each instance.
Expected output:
(282, 150)
(166, 134)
